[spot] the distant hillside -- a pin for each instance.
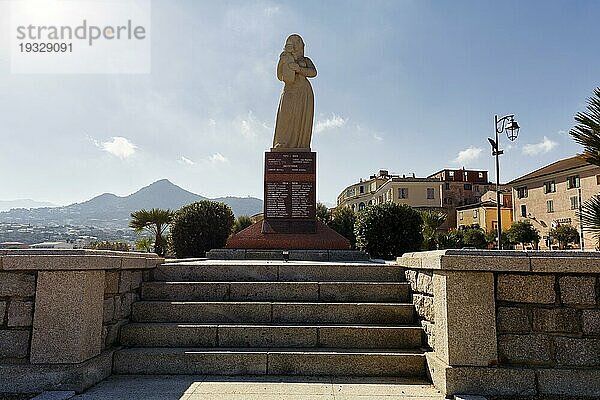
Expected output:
(6, 205)
(110, 211)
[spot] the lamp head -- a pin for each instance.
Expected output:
(512, 130)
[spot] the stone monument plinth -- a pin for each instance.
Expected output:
(290, 192)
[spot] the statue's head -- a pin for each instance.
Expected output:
(295, 45)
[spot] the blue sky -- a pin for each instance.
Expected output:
(408, 86)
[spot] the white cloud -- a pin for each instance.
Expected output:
(119, 147)
(218, 157)
(334, 122)
(212, 123)
(185, 160)
(468, 155)
(251, 127)
(542, 147)
(270, 11)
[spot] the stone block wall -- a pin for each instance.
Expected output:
(548, 320)
(61, 312)
(17, 296)
(421, 284)
(121, 289)
(509, 323)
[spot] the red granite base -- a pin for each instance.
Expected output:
(252, 237)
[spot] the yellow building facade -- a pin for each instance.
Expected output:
(483, 215)
(552, 195)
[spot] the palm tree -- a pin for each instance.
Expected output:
(587, 133)
(590, 217)
(154, 221)
(587, 130)
(432, 220)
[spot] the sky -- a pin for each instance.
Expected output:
(410, 86)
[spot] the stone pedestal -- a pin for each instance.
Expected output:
(290, 192)
(290, 208)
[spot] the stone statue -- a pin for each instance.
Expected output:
(293, 129)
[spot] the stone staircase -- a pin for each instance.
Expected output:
(272, 317)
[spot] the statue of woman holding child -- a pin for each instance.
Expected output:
(293, 129)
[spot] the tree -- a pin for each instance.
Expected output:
(323, 214)
(587, 133)
(342, 221)
(199, 227)
(590, 217)
(241, 223)
(474, 237)
(492, 238)
(432, 220)
(144, 244)
(587, 130)
(156, 221)
(564, 234)
(523, 232)
(388, 230)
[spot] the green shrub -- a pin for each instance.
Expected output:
(523, 232)
(241, 223)
(565, 234)
(323, 213)
(388, 230)
(342, 221)
(199, 227)
(474, 237)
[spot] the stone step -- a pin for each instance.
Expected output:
(278, 312)
(235, 361)
(277, 291)
(270, 271)
(308, 336)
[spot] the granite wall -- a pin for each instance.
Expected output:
(60, 315)
(510, 322)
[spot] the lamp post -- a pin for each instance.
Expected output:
(508, 124)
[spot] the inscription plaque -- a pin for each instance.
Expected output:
(290, 192)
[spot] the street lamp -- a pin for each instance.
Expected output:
(508, 124)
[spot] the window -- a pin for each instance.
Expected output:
(468, 186)
(522, 192)
(597, 179)
(474, 213)
(451, 174)
(430, 193)
(361, 206)
(447, 185)
(523, 210)
(403, 193)
(476, 188)
(574, 202)
(362, 189)
(370, 202)
(460, 215)
(549, 187)
(449, 201)
(480, 175)
(573, 182)
(550, 206)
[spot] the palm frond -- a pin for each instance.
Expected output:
(587, 130)
(590, 215)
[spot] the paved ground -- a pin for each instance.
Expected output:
(163, 387)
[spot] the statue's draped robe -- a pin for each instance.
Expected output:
(293, 129)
